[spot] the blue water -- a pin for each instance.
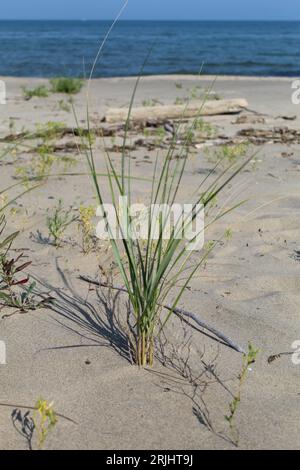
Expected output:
(52, 48)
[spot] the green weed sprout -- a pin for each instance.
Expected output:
(40, 92)
(45, 420)
(248, 359)
(59, 221)
(226, 154)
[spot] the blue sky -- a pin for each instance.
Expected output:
(151, 9)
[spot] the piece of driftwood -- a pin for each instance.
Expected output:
(193, 109)
(179, 312)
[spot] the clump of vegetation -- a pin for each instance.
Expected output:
(16, 290)
(43, 159)
(227, 154)
(45, 420)
(248, 359)
(151, 272)
(201, 130)
(39, 91)
(196, 92)
(151, 102)
(58, 221)
(64, 106)
(204, 128)
(67, 85)
(180, 101)
(50, 130)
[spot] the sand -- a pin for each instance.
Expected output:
(249, 289)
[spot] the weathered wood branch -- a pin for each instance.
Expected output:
(193, 109)
(179, 312)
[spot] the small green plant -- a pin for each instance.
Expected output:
(64, 106)
(180, 101)
(150, 102)
(45, 420)
(16, 290)
(227, 154)
(228, 234)
(160, 134)
(195, 93)
(248, 359)
(178, 85)
(67, 85)
(59, 221)
(40, 92)
(201, 129)
(50, 130)
(205, 128)
(43, 159)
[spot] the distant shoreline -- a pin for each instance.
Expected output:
(191, 77)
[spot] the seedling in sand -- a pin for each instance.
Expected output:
(45, 420)
(41, 418)
(248, 360)
(59, 221)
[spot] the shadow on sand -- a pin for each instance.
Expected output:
(98, 323)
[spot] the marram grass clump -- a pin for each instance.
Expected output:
(155, 271)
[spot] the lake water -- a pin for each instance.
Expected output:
(55, 48)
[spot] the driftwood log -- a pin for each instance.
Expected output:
(183, 314)
(193, 109)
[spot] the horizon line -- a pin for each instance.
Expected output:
(153, 19)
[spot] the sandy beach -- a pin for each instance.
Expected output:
(74, 355)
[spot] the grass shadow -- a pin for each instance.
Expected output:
(97, 321)
(24, 425)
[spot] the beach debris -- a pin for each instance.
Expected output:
(274, 357)
(183, 314)
(296, 255)
(282, 135)
(190, 110)
(287, 154)
(287, 118)
(60, 132)
(246, 119)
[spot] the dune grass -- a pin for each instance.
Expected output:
(150, 269)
